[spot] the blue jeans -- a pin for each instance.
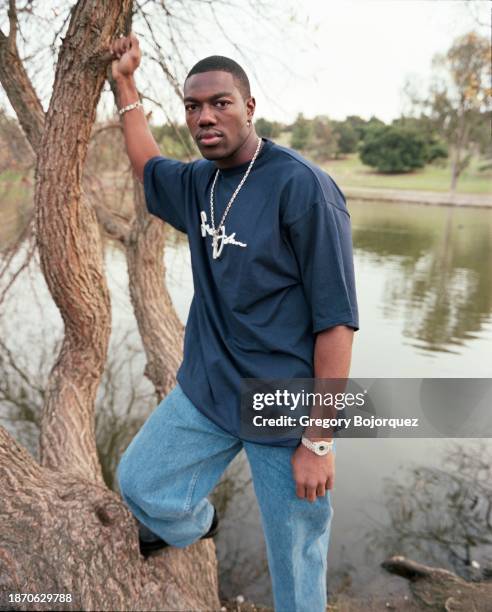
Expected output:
(175, 461)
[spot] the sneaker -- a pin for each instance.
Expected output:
(148, 547)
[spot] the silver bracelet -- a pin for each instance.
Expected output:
(129, 107)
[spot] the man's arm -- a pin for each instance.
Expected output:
(315, 474)
(140, 144)
(333, 352)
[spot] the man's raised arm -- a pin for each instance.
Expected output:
(140, 144)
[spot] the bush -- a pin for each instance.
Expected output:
(437, 150)
(393, 149)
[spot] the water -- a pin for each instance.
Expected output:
(425, 298)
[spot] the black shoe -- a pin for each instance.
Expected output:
(147, 548)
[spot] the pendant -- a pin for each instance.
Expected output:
(219, 237)
(218, 243)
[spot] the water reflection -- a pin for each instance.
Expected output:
(423, 277)
(436, 263)
(441, 516)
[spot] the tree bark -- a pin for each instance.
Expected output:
(20, 91)
(85, 545)
(69, 241)
(85, 541)
(160, 328)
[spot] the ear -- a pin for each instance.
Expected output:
(250, 107)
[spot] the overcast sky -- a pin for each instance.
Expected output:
(352, 56)
(337, 57)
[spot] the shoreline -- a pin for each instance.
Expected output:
(435, 198)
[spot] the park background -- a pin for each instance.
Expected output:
(392, 99)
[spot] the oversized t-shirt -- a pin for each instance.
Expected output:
(257, 308)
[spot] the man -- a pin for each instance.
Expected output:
(271, 253)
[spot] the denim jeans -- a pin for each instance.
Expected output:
(175, 461)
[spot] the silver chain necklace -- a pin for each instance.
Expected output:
(219, 237)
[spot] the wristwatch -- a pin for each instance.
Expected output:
(320, 448)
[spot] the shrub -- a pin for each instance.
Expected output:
(393, 149)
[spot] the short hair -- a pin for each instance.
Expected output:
(219, 62)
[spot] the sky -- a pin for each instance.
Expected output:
(318, 57)
(352, 57)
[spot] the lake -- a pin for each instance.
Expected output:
(425, 300)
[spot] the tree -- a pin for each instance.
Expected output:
(301, 133)
(268, 129)
(315, 137)
(62, 499)
(324, 144)
(457, 106)
(347, 137)
(393, 149)
(357, 124)
(459, 99)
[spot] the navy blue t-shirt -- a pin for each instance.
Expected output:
(257, 308)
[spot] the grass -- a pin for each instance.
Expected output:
(351, 172)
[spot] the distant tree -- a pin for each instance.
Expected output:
(315, 137)
(459, 100)
(457, 105)
(347, 137)
(301, 133)
(393, 149)
(357, 124)
(266, 128)
(324, 144)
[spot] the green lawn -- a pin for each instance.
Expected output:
(351, 172)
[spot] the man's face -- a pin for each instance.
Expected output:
(216, 113)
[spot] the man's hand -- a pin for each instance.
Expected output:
(313, 474)
(128, 55)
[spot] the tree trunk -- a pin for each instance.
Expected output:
(85, 541)
(160, 328)
(69, 242)
(85, 546)
(456, 165)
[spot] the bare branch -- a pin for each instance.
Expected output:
(12, 38)
(20, 91)
(160, 59)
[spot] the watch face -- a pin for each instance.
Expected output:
(320, 448)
